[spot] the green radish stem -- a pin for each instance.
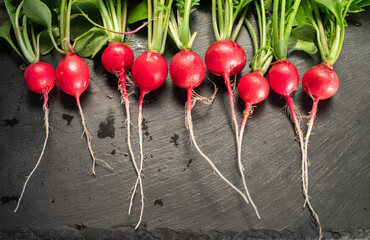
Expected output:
(46, 119)
(248, 109)
(189, 124)
(88, 138)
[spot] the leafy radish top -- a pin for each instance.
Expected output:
(22, 19)
(224, 14)
(330, 32)
(284, 37)
(158, 14)
(113, 15)
(179, 29)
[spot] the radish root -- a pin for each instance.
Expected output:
(189, 125)
(305, 167)
(140, 169)
(124, 98)
(88, 138)
(46, 119)
(247, 112)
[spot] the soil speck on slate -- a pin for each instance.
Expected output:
(113, 152)
(188, 165)
(68, 118)
(175, 139)
(146, 130)
(6, 199)
(80, 226)
(158, 202)
(11, 122)
(106, 128)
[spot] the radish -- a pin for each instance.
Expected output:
(283, 76)
(225, 57)
(187, 71)
(72, 74)
(253, 87)
(321, 82)
(38, 76)
(149, 71)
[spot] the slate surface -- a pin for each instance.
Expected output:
(184, 199)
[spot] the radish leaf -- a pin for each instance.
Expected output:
(180, 5)
(46, 44)
(89, 43)
(139, 13)
(38, 12)
(302, 38)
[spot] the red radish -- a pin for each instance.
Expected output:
(39, 78)
(73, 77)
(187, 71)
(253, 88)
(149, 72)
(319, 82)
(226, 58)
(117, 58)
(283, 77)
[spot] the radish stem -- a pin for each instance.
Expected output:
(247, 111)
(88, 138)
(189, 125)
(46, 119)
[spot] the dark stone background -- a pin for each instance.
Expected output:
(184, 198)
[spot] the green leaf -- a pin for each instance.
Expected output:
(363, 3)
(357, 6)
(269, 33)
(38, 12)
(267, 4)
(5, 31)
(336, 7)
(11, 7)
(139, 13)
(302, 38)
(180, 5)
(45, 42)
(90, 43)
(79, 25)
(304, 13)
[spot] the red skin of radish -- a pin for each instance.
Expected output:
(225, 57)
(117, 58)
(72, 75)
(320, 81)
(253, 88)
(283, 77)
(149, 71)
(187, 69)
(40, 77)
